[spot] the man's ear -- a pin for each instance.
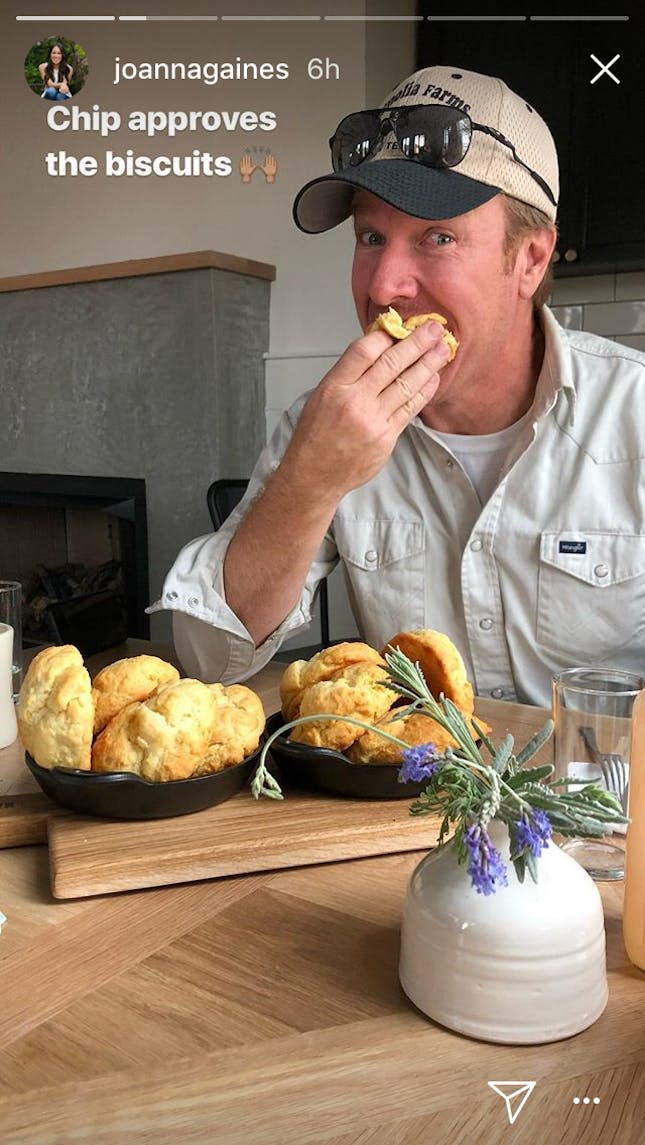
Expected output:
(533, 259)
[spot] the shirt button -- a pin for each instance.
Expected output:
(172, 595)
(476, 546)
(601, 570)
(486, 624)
(497, 693)
(371, 556)
(450, 463)
(192, 601)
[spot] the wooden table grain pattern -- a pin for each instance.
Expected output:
(266, 1010)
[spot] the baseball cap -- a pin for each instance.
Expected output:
(488, 167)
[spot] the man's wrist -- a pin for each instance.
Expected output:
(297, 486)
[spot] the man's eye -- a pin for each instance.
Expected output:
(369, 238)
(440, 239)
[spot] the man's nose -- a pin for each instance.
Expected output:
(392, 277)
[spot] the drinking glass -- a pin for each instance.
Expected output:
(592, 709)
(11, 613)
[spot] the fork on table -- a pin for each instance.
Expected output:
(614, 769)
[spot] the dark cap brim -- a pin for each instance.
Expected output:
(424, 192)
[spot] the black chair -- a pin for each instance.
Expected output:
(222, 497)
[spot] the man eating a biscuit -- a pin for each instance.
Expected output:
(476, 471)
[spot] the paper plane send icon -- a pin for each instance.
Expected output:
(515, 1094)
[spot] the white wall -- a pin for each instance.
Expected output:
(612, 305)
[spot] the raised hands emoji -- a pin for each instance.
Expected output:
(270, 166)
(247, 167)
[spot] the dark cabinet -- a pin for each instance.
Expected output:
(597, 126)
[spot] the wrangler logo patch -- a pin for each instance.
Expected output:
(572, 547)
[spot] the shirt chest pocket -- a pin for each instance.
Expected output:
(591, 593)
(384, 563)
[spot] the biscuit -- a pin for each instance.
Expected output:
(441, 664)
(358, 691)
(393, 324)
(239, 723)
(291, 689)
(414, 730)
(125, 681)
(56, 711)
(163, 738)
(325, 665)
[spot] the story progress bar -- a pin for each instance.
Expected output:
(300, 19)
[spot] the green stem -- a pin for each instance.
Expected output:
(339, 719)
(258, 781)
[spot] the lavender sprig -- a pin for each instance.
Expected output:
(468, 791)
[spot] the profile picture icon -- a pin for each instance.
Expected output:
(56, 68)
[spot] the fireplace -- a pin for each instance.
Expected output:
(79, 547)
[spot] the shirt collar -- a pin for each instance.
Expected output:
(555, 374)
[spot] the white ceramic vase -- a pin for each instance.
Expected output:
(8, 726)
(523, 965)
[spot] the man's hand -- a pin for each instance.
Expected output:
(351, 423)
(345, 434)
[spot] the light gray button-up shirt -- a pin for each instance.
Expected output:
(548, 574)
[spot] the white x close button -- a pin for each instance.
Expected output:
(604, 69)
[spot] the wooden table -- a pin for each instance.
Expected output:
(266, 1010)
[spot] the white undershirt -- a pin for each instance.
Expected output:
(482, 456)
(55, 74)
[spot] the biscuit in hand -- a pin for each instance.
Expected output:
(56, 710)
(393, 324)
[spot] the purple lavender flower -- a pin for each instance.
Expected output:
(485, 865)
(532, 833)
(419, 763)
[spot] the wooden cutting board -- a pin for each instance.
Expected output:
(99, 856)
(24, 818)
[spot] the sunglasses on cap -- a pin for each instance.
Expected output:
(429, 134)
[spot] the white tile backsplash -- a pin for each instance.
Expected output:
(630, 286)
(569, 316)
(615, 318)
(635, 341)
(588, 288)
(612, 305)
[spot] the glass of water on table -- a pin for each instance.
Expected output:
(11, 614)
(592, 710)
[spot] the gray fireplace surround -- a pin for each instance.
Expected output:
(149, 369)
